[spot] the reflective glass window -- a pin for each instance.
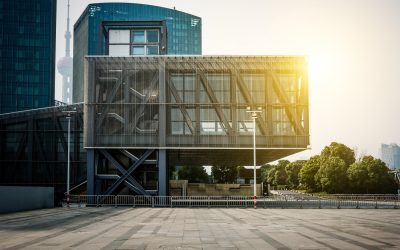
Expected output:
(138, 50)
(152, 50)
(152, 36)
(138, 36)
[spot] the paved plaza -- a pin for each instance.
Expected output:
(183, 228)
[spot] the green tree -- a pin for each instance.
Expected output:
(224, 174)
(194, 174)
(308, 172)
(339, 150)
(265, 169)
(332, 175)
(358, 177)
(293, 170)
(371, 175)
(271, 176)
(280, 173)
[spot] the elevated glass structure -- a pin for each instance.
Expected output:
(123, 29)
(174, 110)
(27, 54)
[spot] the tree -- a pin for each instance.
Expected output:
(265, 169)
(194, 174)
(224, 174)
(339, 150)
(308, 172)
(280, 173)
(271, 176)
(332, 175)
(358, 177)
(293, 170)
(371, 175)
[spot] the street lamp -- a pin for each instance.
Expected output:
(68, 154)
(254, 114)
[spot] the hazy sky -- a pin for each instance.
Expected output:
(353, 48)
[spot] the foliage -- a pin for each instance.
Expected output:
(292, 171)
(194, 174)
(307, 174)
(371, 175)
(224, 174)
(265, 169)
(339, 150)
(271, 176)
(280, 173)
(332, 175)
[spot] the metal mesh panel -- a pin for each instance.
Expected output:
(195, 102)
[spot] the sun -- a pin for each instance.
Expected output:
(321, 64)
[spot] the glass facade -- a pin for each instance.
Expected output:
(27, 54)
(123, 29)
(33, 148)
(196, 102)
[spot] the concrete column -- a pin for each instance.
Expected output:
(90, 171)
(162, 172)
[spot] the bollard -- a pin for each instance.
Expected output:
(208, 201)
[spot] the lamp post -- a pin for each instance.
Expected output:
(254, 114)
(68, 152)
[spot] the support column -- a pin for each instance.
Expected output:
(90, 172)
(162, 172)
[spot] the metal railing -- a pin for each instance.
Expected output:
(327, 201)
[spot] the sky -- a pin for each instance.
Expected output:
(352, 46)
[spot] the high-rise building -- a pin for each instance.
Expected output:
(123, 29)
(27, 54)
(390, 154)
(64, 66)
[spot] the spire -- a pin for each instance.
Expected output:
(68, 37)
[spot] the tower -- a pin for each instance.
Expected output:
(64, 66)
(27, 60)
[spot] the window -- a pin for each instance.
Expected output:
(138, 50)
(133, 42)
(152, 36)
(138, 36)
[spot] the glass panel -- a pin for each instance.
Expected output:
(138, 36)
(152, 36)
(118, 50)
(118, 36)
(152, 50)
(138, 50)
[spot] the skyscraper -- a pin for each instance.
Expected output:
(27, 54)
(391, 155)
(123, 29)
(64, 66)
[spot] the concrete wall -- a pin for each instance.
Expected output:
(15, 198)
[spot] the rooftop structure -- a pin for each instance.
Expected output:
(123, 29)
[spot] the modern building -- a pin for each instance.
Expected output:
(27, 54)
(390, 154)
(123, 29)
(151, 101)
(64, 66)
(152, 112)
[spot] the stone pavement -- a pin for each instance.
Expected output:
(184, 228)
